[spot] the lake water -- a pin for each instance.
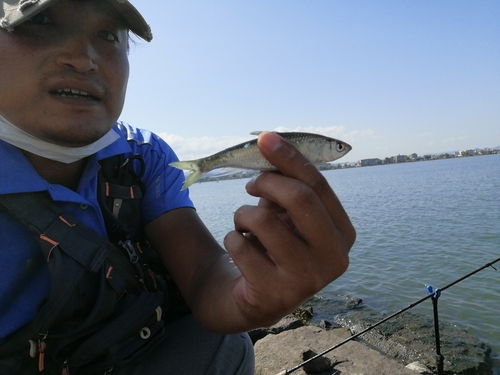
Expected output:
(418, 223)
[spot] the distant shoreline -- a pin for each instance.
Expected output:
(399, 159)
(415, 157)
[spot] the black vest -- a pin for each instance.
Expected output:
(109, 299)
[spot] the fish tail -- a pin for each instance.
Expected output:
(190, 165)
(191, 179)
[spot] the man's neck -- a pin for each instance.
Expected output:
(56, 172)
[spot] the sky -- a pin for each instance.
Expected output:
(388, 77)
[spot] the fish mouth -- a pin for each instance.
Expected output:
(73, 93)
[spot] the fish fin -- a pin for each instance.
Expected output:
(191, 179)
(257, 132)
(189, 165)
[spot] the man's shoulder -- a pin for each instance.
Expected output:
(135, 135)
(141, 141)
(134, 140)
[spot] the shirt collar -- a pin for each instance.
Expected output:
(18, 175)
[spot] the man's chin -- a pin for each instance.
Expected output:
(75, 140)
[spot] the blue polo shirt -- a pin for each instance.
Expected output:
(24, 277)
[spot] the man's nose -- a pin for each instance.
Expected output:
(79, 54)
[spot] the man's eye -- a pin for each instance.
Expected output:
(40, 19)
(108, 36)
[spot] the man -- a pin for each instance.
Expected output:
(63, 78)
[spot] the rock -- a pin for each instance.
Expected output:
(285, 324)
(304, 313)
(418, 367)
(276, 353)
(410, 337)
(317, 365)
(405, 339)
(353, 303)
(325, 324)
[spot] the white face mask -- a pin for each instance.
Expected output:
(19, 138)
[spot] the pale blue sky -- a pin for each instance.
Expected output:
(388, 77)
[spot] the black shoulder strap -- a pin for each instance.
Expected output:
(120, 193)
(52, 225)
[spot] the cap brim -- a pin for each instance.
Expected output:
(134, 20)
(15, 12)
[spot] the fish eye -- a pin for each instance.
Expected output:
(340, 147)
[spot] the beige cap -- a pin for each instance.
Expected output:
(14, 12)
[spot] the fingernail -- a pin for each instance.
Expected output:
(271, 142)
(250, 182)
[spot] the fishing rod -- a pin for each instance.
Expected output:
(431, 294)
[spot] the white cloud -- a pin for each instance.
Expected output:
(455, 139)
(425, 135)
(362, 134)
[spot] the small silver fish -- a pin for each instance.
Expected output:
(316, 148)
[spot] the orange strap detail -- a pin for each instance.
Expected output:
(109, 272)
(45, 238)
(139, 247)
(41, 356)
(153, 278)
(132, 192)
(52, 242)
(107, 189)
(66, 222)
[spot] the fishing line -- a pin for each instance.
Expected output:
(431, 295)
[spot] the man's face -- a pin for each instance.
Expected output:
(63, 74)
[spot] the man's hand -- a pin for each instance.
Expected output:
(294, 243)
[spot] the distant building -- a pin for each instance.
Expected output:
(414, 157)
(467, 153)
(369, 162)
(399, 159)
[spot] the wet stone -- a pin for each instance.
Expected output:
(405, 339)
(408, 337)
(317, 365)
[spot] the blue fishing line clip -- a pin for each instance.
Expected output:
(436, 293)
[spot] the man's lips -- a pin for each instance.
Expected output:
(73, 93)
(76, 87)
